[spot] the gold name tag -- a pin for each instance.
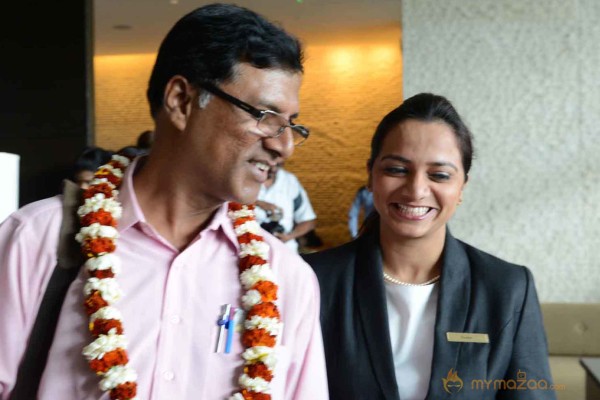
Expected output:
(467, 337)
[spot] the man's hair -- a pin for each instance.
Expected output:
(206, 45)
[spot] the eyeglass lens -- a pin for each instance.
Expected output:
(272, 124)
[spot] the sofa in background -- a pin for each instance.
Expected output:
(573, 331)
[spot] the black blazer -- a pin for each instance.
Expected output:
(479, 293)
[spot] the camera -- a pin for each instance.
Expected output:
(272, 225)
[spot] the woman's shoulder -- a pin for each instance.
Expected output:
(493, 268)
(332, 260)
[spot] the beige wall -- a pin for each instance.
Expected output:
(351, 82)
(525, 76)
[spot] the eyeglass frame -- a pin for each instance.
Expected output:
(256, 113)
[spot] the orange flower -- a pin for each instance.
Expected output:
(110, 359)
(95, 247)
(258, 337)
(248, 237)
(267, 290)
(241, 221)
(103, 188)
(233, 206)
(103, 326)
(102, 217)
(116, 164)
(106, 173)
(102, 273)
(249, 261)
(248, 395)
(267, 310)
(94, 302)
(124, 391)
(259, 370)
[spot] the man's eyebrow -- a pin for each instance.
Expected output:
(407, 161)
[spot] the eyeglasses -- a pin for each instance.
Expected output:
(270, 123)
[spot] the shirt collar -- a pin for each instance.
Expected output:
(133, 214)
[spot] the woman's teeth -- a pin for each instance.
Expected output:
(413, 211)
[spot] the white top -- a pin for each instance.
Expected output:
(287, 193)
(411, 315)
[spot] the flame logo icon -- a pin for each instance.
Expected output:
(452, 383)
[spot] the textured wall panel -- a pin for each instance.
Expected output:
(525, 77)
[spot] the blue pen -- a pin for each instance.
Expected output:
(230, 329)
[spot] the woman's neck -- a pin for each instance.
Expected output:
(412, 260)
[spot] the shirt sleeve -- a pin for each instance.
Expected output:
(307, 379)
(304, 212)
(353, 215)
(25, 268)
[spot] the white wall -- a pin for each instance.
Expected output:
(9, 184)
(525, 75)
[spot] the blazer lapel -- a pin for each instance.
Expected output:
(452, 313)
(371, 303)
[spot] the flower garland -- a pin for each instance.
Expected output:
(262, 324)
(107, 354)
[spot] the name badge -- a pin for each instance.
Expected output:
(467, 337)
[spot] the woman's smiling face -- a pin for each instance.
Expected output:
(417, 179)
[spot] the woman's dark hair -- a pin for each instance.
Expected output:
(207, 43)
(426, 107)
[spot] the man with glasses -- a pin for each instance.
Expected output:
(224, 98)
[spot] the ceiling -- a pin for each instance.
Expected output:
(138, 26)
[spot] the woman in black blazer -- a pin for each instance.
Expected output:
(408, 312)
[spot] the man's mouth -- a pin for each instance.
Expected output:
(260, 165)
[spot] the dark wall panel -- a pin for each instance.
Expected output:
(45, 90)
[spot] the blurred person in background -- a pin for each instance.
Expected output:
(363, 202)
(284, 208)
(87, 163)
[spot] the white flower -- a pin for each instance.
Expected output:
(256, 274)
(251, 298)
(100, 202)
(263, 354)
(104, 344)
(271, 325)
(248, 227)
(107, 313)
(116, 376)
(243, 213)
(115, 171)
(96, 230)
(108, 287)
(258, 385)
(124, 161)
(104, 262)
(254, 248)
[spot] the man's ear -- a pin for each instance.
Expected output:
(177, 101)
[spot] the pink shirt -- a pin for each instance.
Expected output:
(171, 304)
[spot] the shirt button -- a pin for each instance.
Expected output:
(175, 319)
(168, 375)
